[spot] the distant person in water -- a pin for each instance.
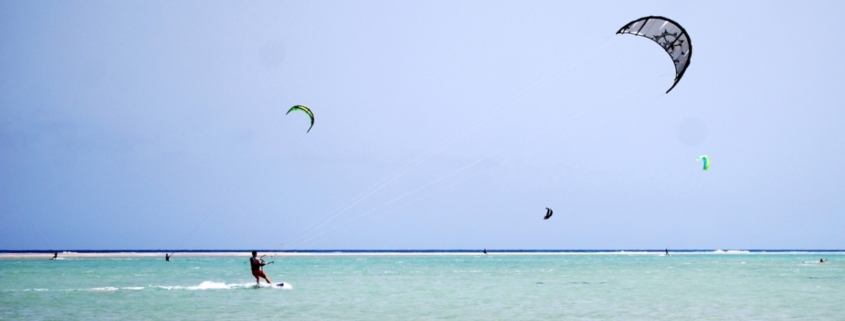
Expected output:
(821, 260)
(667, 251)
(167, 257)
(485, 251)
(55, 255)
(255, 263)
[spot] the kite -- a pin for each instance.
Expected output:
(706, 160)
(548, 213)
(669, 35)
(305, 110)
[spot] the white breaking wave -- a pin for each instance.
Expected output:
(732, 252)
(104, 289)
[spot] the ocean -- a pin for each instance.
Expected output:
(613, 285)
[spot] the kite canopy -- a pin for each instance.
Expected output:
(305, 110)
(669, 35)
(705, 162)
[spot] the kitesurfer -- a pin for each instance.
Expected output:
(485, 251)
(167, 257)
(667, 252)
(821, 260)
(255, 263)
(55, 255)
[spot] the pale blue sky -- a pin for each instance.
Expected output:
(439, 125)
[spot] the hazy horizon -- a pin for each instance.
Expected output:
(438, 124)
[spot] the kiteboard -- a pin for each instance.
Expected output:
(270, 286)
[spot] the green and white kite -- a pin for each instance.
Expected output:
(706, 160)
(304, 110)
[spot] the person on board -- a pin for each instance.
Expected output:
(167, 257)
(55, 255)
(255, 263)
(667, 252)
(821, 260)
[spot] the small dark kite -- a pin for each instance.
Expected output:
(305, 110)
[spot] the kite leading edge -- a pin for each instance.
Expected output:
(669, 35)
(705, 160)
(305, 110)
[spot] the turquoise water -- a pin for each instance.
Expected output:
(430, 287)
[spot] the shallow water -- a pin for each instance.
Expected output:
(424, 287)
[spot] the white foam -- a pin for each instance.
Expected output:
(134, 288)
(209, 285)
(167, 287)
(633, 253)
(212, 285)
(104, 289)
(732, 252)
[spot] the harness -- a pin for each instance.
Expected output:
(255, 263)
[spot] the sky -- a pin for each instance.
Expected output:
(438, 125)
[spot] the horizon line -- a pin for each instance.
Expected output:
(416, 250)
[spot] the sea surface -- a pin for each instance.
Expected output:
(431, 286)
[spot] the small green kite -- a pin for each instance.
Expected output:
(706, 160)
(305, 110)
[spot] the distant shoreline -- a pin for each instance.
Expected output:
(40, 254)
(420, 250)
